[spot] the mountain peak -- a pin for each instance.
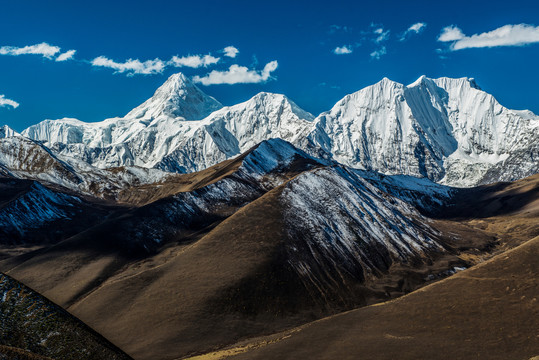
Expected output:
(6, 131)
(280, 100)
(177, 97)
(419, 81)
(176, 83)
(446, 82)
(386, 81)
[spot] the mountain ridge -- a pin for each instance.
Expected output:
(436, 128)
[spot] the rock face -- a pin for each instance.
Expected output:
(447, 130)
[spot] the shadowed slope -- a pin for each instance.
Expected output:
(487, 312)
(255, 274)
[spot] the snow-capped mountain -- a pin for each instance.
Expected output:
(447, 130)
(177, 97)
(165, 132)
(232, 130)
(6, 131)
(23, 158)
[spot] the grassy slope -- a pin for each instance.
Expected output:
(30, 322)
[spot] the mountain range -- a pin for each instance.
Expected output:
(190, 228)
(447, 130)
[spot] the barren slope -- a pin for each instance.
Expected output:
(487, 312)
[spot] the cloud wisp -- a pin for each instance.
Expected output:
(231, 51)
(68, 55)
(238, 75)
(157, 66)
(4, 102)
(378, 53)
(46, 50)
(194, 61)
(235, 74)
(413, 29)
(333, 29)
(507, 35)
(381, 35)
(131, 66)
(43, 49)
(342, 50)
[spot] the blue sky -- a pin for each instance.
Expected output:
(314, 52)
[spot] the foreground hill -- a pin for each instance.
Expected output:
(32, 327)
(487, 312)
(33, 215)
(255, 245)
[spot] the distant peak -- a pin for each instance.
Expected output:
(419, 81)
(179, 79)
(178, 76)
(177, 84)
(6, 131)
(273, 98)
(177, 97)
(447, 82)
(386, 80)
(382, 86)
(267, 95)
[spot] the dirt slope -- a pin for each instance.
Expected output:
(490, 311)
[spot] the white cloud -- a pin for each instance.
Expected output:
(194, 61)
(131, 67)
(8, 102)
(415, 28)
(42, 49)
(377, 54)
(342, 50)
(66, 56)
(231, 51)
(450, 33)
(507, 35)
(238, 75)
